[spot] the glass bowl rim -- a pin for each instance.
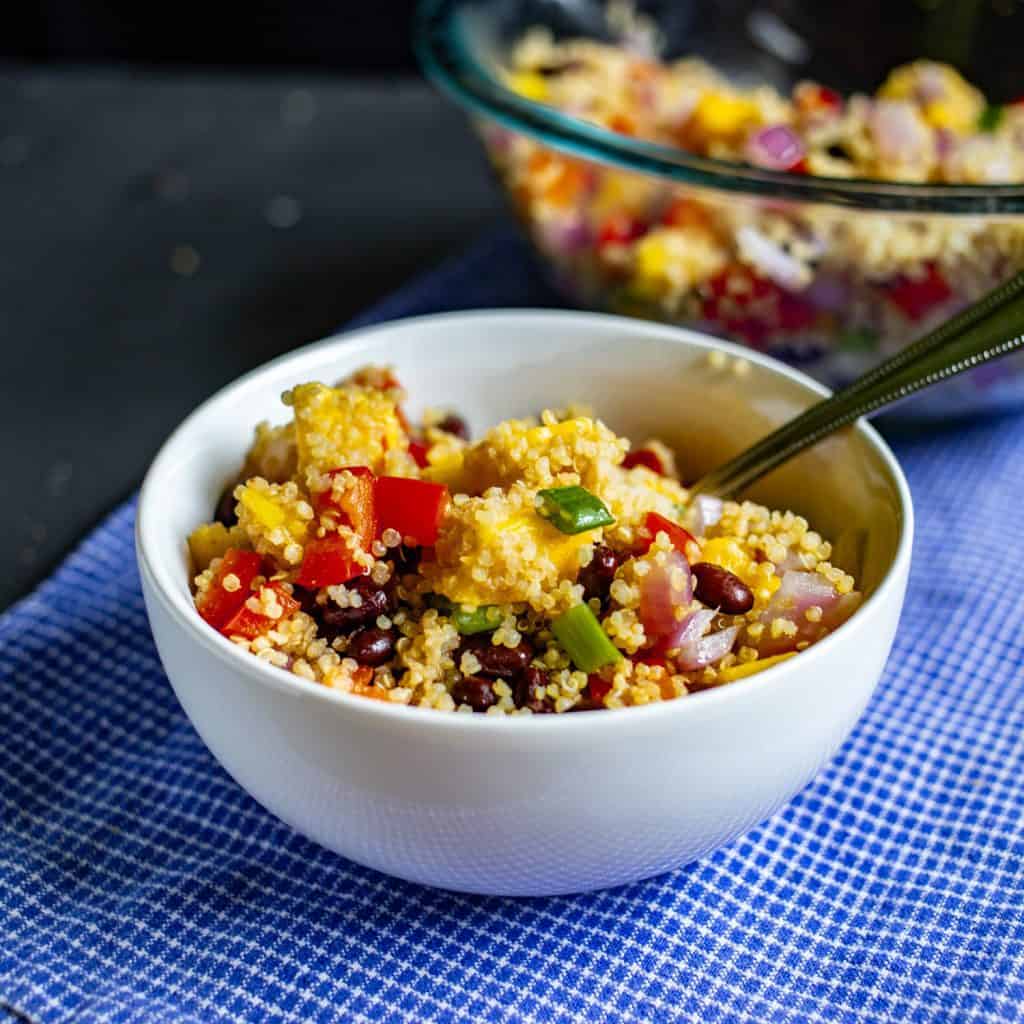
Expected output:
(448, 62)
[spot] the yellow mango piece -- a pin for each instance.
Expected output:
(444, 467)
(529, 85)
(720, 113)
(211, 540)
(729, 554)
(267, 512)
(346, 426)
(749, 668)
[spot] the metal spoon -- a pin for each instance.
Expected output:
(991, 328)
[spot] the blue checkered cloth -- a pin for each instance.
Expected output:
(139, 883)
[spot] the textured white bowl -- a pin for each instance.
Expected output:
(552, 804)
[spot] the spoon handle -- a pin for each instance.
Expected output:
(989, 329)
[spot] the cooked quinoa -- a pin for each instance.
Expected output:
(831, 289)
(548, 567)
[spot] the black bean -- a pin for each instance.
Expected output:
(498, 660)
(719, 588)
(225, 510)
(596, 577)
(406, 559)
(371, 646)
(559, 68)
(455, 424)
(307, 601)
(376, 601)
(525, 692)
(475, 691)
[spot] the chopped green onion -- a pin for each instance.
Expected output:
(476, 620)
(583, 639)
(573, 509)
(989, 119)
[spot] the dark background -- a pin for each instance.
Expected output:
(183, 202)
(187, 190)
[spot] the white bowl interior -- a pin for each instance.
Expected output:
(643, 380)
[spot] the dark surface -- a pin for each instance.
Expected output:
(105, 176)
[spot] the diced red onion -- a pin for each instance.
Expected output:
(771, 259)
(828, 292)
(660, 597)
(776, 148)
(899, 132)
(690, 630)
(800, 590)
(566, 234)
(707, 510)
(707, 650)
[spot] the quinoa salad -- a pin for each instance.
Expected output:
(821, 286)
(548, 567)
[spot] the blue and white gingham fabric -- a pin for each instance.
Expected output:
(139, 883)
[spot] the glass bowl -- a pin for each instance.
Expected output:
(831, 275)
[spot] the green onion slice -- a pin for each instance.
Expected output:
(476, 620)
(583, 639)
(989, 119)
(573, 509)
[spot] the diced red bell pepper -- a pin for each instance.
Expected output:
(245, 622)
(683, 212)
(915, 296)
(412, 507)
(752, 307)
(620, 229)
(328, 561)
(418, 450)
(679, 536)
(598, 688)
(813, 97)
(644, 457)
(218, 604)
(358, 507)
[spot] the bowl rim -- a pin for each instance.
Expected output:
(177, 601)
(448, 61)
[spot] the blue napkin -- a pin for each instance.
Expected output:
(139, 883)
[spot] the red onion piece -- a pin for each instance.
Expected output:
(690, 631)
(899, 132)
(707, 510)
(707, 650)
(662, 591)
(776, 148)
(798, 592)
(829, 292)
(771, 259)
(566, 235)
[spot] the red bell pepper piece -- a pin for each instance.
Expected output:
(598, 688)
(245, 622)
(412, 507)
(915, 296)
(218, 604)
(418, 450)
(644, 457)
(752, 307)
(328, 561)
(620, 229)
(358, 506)
(679, 537)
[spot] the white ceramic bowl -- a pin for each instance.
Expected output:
(552, 804)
